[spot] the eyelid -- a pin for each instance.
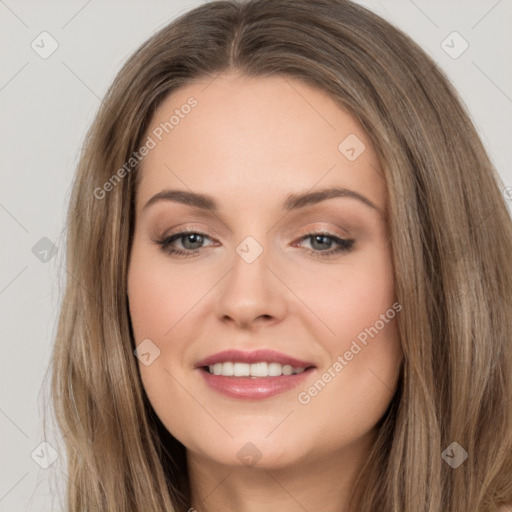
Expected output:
(180, 233)
(193, 228)
(306, 230)
(321, 228)
(344, 246)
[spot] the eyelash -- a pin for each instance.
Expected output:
(345, 245)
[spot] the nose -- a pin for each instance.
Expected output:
(252, 293)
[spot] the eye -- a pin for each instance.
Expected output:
(320, 240)
(192, 241)
(189, 239)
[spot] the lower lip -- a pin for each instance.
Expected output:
(254, 388)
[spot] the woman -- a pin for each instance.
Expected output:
(269, 372)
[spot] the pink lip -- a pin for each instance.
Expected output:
(254, 356)
(250, 388)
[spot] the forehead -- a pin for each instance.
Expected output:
(246, 139)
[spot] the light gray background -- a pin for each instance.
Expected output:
(46, 107)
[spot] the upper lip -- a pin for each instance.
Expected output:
(253, 356)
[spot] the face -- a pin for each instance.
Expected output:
(309, 281)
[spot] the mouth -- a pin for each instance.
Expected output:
(253, 375)
(259, 370)
(255, 381)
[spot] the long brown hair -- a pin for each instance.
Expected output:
(451, 237)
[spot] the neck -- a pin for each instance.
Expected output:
(315, 482)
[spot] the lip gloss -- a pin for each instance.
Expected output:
(253, 388)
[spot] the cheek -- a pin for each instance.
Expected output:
(159, 297)
(353, 390)
(160, 294)
(351, 296)
(358, 386)
(358, 306)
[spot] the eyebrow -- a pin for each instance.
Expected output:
(292, 202)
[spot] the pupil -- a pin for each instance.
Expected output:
(320, 238)
(192, 236)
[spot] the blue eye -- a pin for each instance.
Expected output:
(191, 238)
(343, 244)
(194, 237)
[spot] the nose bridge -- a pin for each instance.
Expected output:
(250, 266)
(250, 289)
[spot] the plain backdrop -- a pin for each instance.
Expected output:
(48, 102)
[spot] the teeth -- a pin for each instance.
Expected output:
(263, 369)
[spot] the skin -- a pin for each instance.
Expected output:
(249, 143)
